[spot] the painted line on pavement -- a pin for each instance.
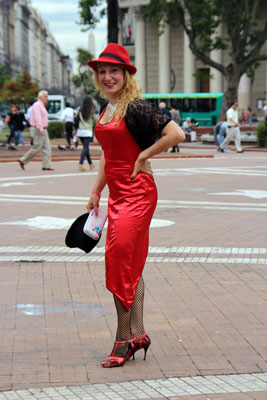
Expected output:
(50, 176)
(198, 205)
(152, 249)
(181, 255)
(149, 389)
(73, 200)
(182, 260)
(244, 171)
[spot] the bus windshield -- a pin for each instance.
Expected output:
(54, 106)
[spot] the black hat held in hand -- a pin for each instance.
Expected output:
(77, 238)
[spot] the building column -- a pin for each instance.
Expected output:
(216, 82)
(22, 14)
(244, 90)
(140, 47)
(189, 67)
(164, 61)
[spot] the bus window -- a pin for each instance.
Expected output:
(203, 105)
(177, 104)
(189, 105)
(154, 101)
(213, 104)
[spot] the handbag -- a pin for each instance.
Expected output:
(94, 225)
(77, 120)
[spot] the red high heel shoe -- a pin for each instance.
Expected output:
(143, 343)
(114, 361)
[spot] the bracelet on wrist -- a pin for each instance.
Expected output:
(97, 193)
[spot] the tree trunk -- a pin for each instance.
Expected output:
(112, 21)
(231, 92)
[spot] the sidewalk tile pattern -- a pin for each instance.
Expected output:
(205, 307)
(149, 389)
(185, 254)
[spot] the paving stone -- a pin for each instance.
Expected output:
(205, 306)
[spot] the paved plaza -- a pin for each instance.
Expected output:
(205, 276)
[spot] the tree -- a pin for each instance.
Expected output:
(246, 32)
(21, 90)
(90, 15)
(84, 77)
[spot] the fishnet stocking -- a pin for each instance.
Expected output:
(129, 322)
(124, 321)
(137, 322)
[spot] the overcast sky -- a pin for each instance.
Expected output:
(61, 16)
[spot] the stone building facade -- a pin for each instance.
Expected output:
(7, 40)
(165, 63)
(26, 44)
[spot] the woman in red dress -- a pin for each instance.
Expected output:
(127, 130)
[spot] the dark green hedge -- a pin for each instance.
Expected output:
(56, 129)
(261, 132)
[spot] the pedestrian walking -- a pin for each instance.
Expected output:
(164, 109)
(249, 115)
(176, 117)
(87, 118)
(127, 130)
(10, 121)
(28, 119)
(20, 124)
(219, 133)
(1, 123)
(68, 118)
(232, 130)
(41, 142)
(265, 112)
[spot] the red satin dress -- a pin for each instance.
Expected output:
(131, 205)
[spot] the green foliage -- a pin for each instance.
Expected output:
(201, 76)
(20, 90)
(90, 14)
(243, 21)
(76, 80)
(251, 71)
(244, 35)
(56, 129)
(261, 132)
(84, 78)
(83, 56)
(4, 76)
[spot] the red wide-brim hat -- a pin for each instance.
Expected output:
(114, 53)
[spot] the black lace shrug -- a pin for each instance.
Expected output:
(145, 122)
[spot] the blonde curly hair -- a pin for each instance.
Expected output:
(130, 91)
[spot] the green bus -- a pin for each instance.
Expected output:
(205, 108)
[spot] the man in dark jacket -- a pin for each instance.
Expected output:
(10, 121)
(20, 124)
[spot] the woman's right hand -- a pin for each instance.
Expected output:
(93, 203)
(142, 165)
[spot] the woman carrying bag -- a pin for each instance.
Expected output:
(84, 120)
(127, 130)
